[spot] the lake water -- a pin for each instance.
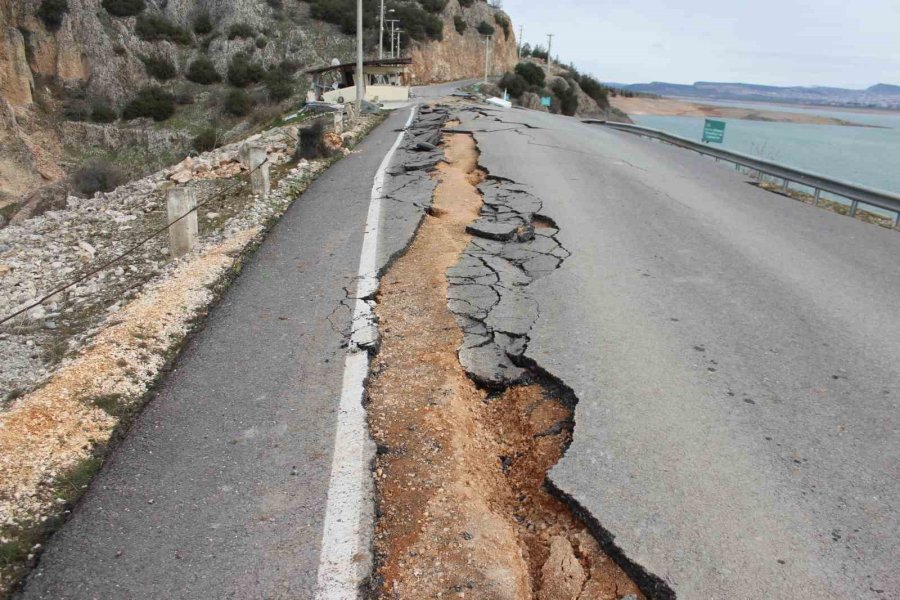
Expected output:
(866, 156)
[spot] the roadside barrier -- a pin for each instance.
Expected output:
(856, 194)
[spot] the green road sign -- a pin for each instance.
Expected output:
(713, 131)
(546, 100)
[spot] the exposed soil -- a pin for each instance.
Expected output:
(463, 511)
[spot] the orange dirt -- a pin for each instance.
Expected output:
(459, 474)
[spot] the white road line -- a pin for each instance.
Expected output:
(344, 561)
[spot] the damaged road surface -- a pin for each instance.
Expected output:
(733, 353)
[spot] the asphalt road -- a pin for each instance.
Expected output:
(736, 357)
(219, 490)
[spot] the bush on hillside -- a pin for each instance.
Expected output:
(203, 24)
(159, 67)
(240, 30)
(151, 102)
(525, 50)
(596, 90)
(460, 24)
(242, 72)
(514, 84)
(433, 6)
(238, 103)
(155, 28)
(280, 84)
(123, 8)
(531, 73)
(343, 13)
(466, 3)
(97, 176)
(568, 99)
(539, 52)
(503, 21)
(419, 24)
(261, 42)
(52, 13)
(102, 113)
(485, 28)
(206, 140)
(203, 71)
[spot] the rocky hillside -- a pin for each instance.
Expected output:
(67, 61)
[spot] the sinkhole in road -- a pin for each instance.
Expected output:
(462, 506)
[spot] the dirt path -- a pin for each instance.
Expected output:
(460, 472)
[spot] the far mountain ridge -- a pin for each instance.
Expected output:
(880, 95)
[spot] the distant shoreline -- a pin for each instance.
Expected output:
(673, 107)
(791, 105)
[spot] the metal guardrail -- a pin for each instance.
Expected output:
(857, 194)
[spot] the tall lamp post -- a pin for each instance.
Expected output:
(360, 75)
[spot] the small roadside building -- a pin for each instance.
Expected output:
(387, 80)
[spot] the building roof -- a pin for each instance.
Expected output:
(384, 62)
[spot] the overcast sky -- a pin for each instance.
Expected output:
(785, 42)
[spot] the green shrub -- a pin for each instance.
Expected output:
(154, 28)
(97, 176)
(238, 103)
(242, 72)
(203, 24)
(279, 84)
(203, 71)
(261, 42)
(343, 13)
(123, 8)
(206, 140)
(596, 90)
(102, 113)
(525, 50)
(276, 4)
(119, 50)
(532, 73)
(433, 6)
(52, 12)
(151, 102)
(466, 3)
(568, 99)
(159, 67)
(485, 28)
(419, 24)
(184, 98)
(513, 83)
(288, 66)
(503, 21)
(539, 52)
(240, 30)
(460, 24)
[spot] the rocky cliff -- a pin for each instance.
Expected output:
(83, 55)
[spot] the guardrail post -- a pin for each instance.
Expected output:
(259, 171)
(897, 220)
(853, 206)
(816, 197)
(181, 211)
(784, 185)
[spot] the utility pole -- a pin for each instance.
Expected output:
(519, 46)
(399, 52)
(550, 56)
(487, 53)
(381, 33)
(392, 21)
(360, 74)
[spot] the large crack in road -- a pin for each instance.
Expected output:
(466, 429)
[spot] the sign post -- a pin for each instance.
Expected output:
(713, 131)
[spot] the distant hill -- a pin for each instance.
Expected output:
(881, 95)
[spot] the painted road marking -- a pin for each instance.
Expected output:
(340, 569)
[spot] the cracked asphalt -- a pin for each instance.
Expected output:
(735, 354)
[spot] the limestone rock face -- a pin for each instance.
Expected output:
(16, 82)
(461, 56)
